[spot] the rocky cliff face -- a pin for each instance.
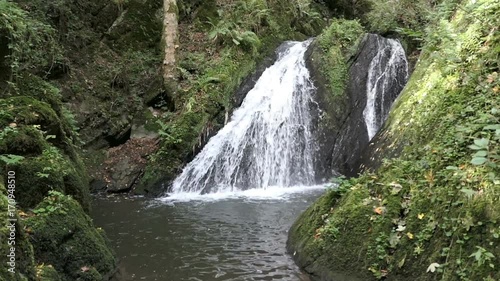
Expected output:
(428, 207)
(341, 126)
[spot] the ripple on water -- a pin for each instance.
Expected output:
(235, 238)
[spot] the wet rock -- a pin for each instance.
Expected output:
(64, 236)
(124, 174)
(124, 165)
(24, 257)
(352, 137)
(341, 131)
(342, 137)
(249, 82)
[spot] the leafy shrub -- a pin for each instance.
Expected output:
(32, 44)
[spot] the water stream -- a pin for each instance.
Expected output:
(227, 215)
(384, 75)
(267, 141)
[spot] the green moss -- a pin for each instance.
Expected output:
(173, 9)
(433, 203)
(32, 45)
(39, 89)
(25, 110)
(48, 273)
(49, 171)
(30, 111)
(141, 26)
(337, 44)
(24, 267)
(23, 140)
(64, 236)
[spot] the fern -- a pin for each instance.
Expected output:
(11, 159)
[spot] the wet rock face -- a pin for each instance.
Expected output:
(64, 237)
(123, 166)
(353, 136)
(341, 129)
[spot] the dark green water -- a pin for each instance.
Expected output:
(236, 238)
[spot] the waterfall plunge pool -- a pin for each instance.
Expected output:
(232, 236)
(215, 224)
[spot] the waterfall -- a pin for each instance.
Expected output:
(268, 140)
(387, 71)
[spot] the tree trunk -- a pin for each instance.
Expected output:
(169, 42)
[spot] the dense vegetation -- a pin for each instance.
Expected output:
(80, 77)
(221, 42)
(431, 213)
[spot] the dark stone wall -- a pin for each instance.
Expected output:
(341, 142)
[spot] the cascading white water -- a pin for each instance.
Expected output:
(267, 142)
(383, 73)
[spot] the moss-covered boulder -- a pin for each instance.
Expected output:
(37, 128)
(47, 273)
(430, 210)
(51, 170)
(64, 236)
(22, 268)
(330, 61)
(342, 60)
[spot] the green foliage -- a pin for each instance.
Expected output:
(6, 131)
(229, 32)
(338, 43)
(343, 33)
(349, 9)
(51, 170)
(405, 15)
(64, 236)
(407, 18)
(165, 131)
(47, 273)
(32, 44)
(482, 256)
(24, 251)
(52, 206)
(432, 212)
(11, 159)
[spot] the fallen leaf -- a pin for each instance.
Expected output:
(433, 266)
(402, 262)
(379, 210)
(401, 228)
(85, 268)
(396, 188)
(384, 272)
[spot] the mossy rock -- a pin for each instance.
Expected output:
(65, 237)
(311, 237)
(90, 274)
(23, 140)
(49, 171)
(24, 263)
(428, 210)
(41, 90)
(47, 273)
(141, 26)
(29, 111)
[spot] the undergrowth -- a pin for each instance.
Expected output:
(432, 213)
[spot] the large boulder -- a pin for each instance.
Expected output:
(341, 75)
(23, 266)
(63, 235)
(429, 210)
